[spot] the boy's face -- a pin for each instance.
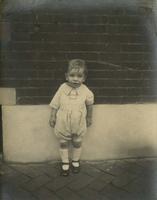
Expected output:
(75, 77)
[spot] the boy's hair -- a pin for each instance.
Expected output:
(77, 64)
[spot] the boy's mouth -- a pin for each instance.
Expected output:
(73, 84)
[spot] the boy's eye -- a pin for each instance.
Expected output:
(80, 75)
(71, 75)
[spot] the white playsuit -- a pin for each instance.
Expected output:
(71, 110)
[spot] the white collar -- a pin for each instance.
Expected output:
(68, 89)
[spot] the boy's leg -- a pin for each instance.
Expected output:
(64, 153)
(77, 149)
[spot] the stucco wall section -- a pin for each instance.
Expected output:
(118, 131)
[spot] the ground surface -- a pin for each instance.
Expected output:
(127, 179)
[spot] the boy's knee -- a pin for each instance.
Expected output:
(64, 145)
(77, 144)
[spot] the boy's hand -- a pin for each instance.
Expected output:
(89, 121)
(52, 122)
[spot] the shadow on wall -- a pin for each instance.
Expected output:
(145, 151)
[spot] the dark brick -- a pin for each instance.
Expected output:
(40, 83)
(136, 47)
(63, 28)
(74, 46)
(33, 100)
(19, 74)
(96, 19)
(132, 20)
(19, 65)
(21, 55)
(46, 74)
(82, 55)
(137, 65)
(116, 99)
(129, 38)
(110, 91)
(118, 83)
(70, 19)
(55, 18)
(114, 74)
(35, 91)
(41, 37)
(34, 64)
(25, 36)
(22, 27)
(22, 17)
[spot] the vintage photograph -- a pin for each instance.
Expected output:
(78, 100)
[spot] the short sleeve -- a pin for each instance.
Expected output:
(89, 98)
(55, 102)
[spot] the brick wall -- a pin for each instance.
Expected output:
(36, 47)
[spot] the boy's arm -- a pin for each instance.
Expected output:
(89, 114)
(55, 104)
(52, 120)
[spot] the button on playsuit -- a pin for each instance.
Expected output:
(71, 115)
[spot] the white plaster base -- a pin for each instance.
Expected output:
(118, 131)
(7, 96)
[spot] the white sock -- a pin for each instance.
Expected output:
(64, 153)
(76, 156)
(65, 167)
(76, 164)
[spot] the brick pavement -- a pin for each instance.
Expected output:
(127, 179)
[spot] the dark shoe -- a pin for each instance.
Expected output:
(75, 169)
(63, 171)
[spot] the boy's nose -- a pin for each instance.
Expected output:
(75, 78)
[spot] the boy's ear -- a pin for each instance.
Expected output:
(84, 78)
(66, 76)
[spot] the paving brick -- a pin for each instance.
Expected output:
(49, 170)
(27, 170)
(97, 184)
(16, 179)
(59, 182)
(90, 194)
(114, 193)
(90, 170)
(137, 188)
(105, 166)
(7, 169)
(123, 179)
(143, 187)
(147, 163)
(67, 194)
(116, 170)
(36, 183)
(15, 193)
(132, 167)
(80, 181)
(46, 194)
(107, 178)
